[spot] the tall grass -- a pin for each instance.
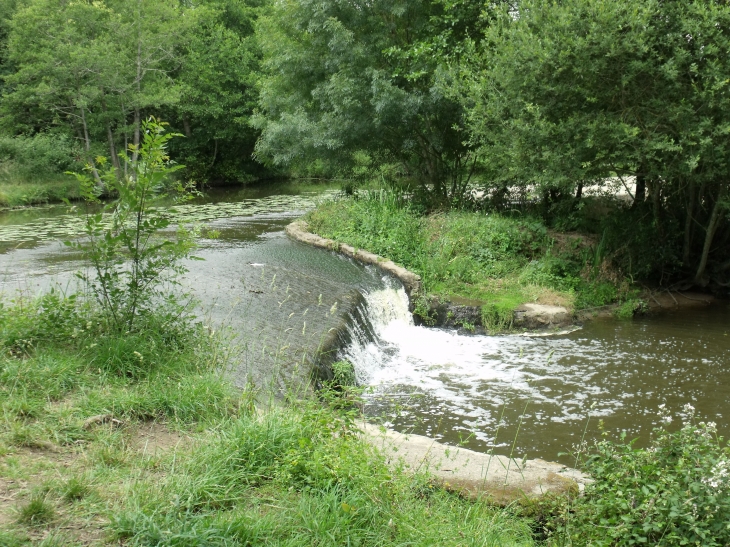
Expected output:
(57, 349)
(498, 261)
(302, 478)
(297, 474)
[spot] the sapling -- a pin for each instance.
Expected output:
(132, 263)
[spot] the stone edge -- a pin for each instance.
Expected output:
(299, 231)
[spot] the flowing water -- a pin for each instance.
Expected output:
(277, 298)
(539, 395)
(527, 395)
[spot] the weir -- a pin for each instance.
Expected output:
(526, 395)
(368, 344)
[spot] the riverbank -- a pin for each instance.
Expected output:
(138, 438)
(52, 190)
(479, 270)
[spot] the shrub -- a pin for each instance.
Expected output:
(675, 492)
(132, 264)
(37, 156)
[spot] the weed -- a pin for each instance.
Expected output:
(494, 259)
(675, 492)
(10, 539)
(75, 489)
(343, 375)
(630, 308)
(36, 512)
(497, 317)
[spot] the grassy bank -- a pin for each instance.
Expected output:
(32, 169)
(483, 259)
(17, 193)
(137, 438)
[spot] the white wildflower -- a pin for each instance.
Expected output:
(719, 475)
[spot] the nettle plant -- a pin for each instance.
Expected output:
(675, 492)
(135, 260)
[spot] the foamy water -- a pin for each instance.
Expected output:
(532, 394)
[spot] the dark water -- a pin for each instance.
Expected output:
(278, 299)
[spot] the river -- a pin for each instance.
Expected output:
(277, 299)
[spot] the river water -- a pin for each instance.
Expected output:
(533, 396)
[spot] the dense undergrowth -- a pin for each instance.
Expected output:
(493, 260)
(32, 170)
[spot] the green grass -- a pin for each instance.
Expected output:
(495, 261)
(101, 445)
(36, 512)
(298, 478)
(18, 192)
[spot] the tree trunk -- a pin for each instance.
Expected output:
(186, 127)
(135, 136)
(655, 193)
(640, 194)
(688, 224)
(113, 149)
(126, 157)
(215, 153)
(712, 225)
(87, 146)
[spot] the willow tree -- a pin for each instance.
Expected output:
(560, 93)
(345, 81)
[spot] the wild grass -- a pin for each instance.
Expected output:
(76, 399)
(17, 192)
(495, 261)
(303, 478)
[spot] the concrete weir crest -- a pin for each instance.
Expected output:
(499, 478)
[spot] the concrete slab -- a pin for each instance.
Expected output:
(501, 479)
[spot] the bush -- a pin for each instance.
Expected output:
(676, 492)
(38, 156)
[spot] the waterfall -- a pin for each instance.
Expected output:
(369, 347)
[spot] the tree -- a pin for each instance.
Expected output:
(96, 69)
(218, 92)
(7, 10)
(343, 85)
(562, 93)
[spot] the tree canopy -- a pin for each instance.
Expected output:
(348, 82)
(97, 69)
(581, 91)
(474, 102)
